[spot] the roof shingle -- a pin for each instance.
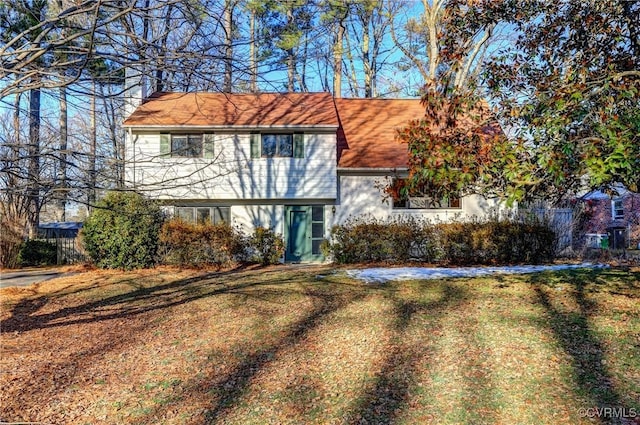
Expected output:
(366, 127)
(223, 109)
(367, 135)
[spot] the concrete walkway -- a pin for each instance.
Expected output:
(28, 277)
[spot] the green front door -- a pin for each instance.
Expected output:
(304, 231)
(298, 248)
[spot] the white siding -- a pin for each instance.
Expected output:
(248, 217)
(361, 194)
(232, 174)
(257, 189)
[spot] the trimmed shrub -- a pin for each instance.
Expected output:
(494, 241)
(490, 241)
(122, 231)
(268, 246)
(366, 239)
(36, 252)
(186, 244)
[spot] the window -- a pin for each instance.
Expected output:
(317, 228)
(617, 209)
(277, 145)
(273, 145)
(203, 215)
(425, 202)
(186, 145)
(419, 200)
(185, 214)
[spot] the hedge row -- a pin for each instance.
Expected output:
(35, 252)
(128, 231)
(195, 245)
(187, 244)
(489, 241)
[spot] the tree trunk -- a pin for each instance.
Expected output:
(253, 68)
(33, 215)
(91, 193)
(337, 59)
(228, 44)
(61, 193)
(374, 67)
(291, 62)
(434, 50)
(162, 56)
(14, 208)
(302, 76)
(366, 59)
(16, 119)
(633, 27)
(291, 74)
(352, 75)
(111, 116)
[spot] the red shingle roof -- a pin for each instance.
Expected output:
(367, 137)
(366, 127)
(223, 109)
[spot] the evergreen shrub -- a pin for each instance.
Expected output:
(36, 252)
(122, 231)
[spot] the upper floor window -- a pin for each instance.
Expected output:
(277, 145)
(617, 209)
(418, 200)
(187, 145)
(274, 145)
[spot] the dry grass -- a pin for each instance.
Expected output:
(285, 345)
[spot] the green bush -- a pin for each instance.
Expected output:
(186, 244)
(489, 241)
(36, 252)
(268, 246)
(122, 231)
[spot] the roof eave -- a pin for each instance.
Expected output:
(230, 127)
(364, 170)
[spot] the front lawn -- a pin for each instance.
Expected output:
(303, 345)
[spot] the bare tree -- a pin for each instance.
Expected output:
(447, 41)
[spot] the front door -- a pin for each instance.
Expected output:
(304, 232)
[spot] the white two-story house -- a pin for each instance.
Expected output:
(296, 162)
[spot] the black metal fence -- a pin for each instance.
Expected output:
(68, 250)
(65, 238)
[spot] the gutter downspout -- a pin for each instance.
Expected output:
(133, 150)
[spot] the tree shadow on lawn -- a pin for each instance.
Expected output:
(392, 390)
(228, 390)
(32, 391)
(571, 329)
(172, 294)
(138, 301)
